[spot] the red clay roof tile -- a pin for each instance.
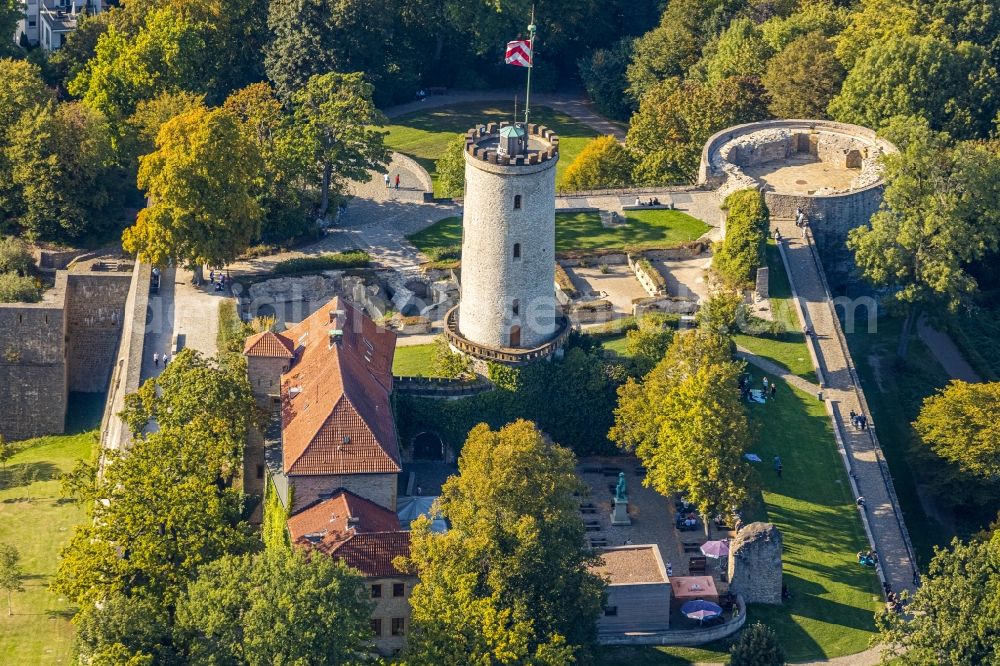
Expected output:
(269, 345)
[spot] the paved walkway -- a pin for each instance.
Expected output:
(184, 310)
(947, 353)
(844, 395)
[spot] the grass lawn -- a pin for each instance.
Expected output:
(833, 599)
(895, 393)
(414, 361)
(425, 135)
(39, 523)
(583, 231)
(789, 349)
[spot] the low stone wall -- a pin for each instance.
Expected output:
(591, 258)
(698, 636)
(666, 304)
(589, 312)
(648, 276)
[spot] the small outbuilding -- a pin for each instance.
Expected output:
(638, 590)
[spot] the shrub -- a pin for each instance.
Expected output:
(324, 262)
(603, 163)
(757, 646)
(742, 251)
(15, 257)
(450, 169)
(16, 288)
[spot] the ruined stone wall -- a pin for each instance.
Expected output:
(95, 312)
(755, 564)
(33, 367)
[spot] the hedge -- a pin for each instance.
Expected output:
(323, 262)
(742, 251)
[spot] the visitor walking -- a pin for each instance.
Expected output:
(386, 178)
(156, 360)
(777, 464)
(397, 181)
(778, 469)
(774, 389)
(765, 384)
(166, 359)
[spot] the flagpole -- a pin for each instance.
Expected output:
(531, 66)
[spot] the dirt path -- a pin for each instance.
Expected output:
(947, 353)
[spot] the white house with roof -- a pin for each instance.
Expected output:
(47, 22)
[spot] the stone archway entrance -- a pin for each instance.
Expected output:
(428, 446)
(515, 336)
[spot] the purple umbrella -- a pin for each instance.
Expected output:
(715, 549)
(699, 609)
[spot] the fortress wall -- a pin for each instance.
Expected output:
(33, 367)
(95, 310)
(126, 371)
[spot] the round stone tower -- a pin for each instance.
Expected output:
(755, 564)
(508, 312)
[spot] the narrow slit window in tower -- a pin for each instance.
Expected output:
(517, 250)
(516, 308)
(517, 202)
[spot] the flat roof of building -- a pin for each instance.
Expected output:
(628, 565)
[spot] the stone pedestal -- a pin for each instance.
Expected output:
(619, 512)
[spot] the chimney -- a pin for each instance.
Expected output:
(336, 335)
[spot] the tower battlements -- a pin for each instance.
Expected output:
(485, 143)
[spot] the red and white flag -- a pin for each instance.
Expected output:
(519, 53)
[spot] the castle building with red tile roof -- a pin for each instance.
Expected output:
(329, 381)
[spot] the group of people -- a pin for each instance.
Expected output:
(859, 421)
(157, 358)
(219, 283)
(867, 558)
(388, 180)
(745, 383)
(653, 201)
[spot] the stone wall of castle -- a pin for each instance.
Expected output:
(68, 342)
(95, 311)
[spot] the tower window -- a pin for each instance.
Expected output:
(517, 250)
(515, 336)
(517, 202)
(516, 308)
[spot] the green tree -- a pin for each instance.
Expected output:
(450, 168)
(604, 75)
(78, 47)
(671, 48)
(954, 616)
(721, 312)
(15, 257)
(125, 630)
(508, 583)
(822, 16)
(167, 54)
(949, 85)
(874, 22)
(803, 78)
(64, 171)
(448, 363)
(940, 212)
(10, 13)
(757, 646)
(962, 424)
(603, 163)
(334, 117)
(150, 115)
(315, 37)
(742, 250)
(676, 118)
(283, 196)
(23, 91)
(275, 608)
(11, 574)
(194, 390)
(739, 51)
(686, 423)
(647, 344)
(200, 183)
